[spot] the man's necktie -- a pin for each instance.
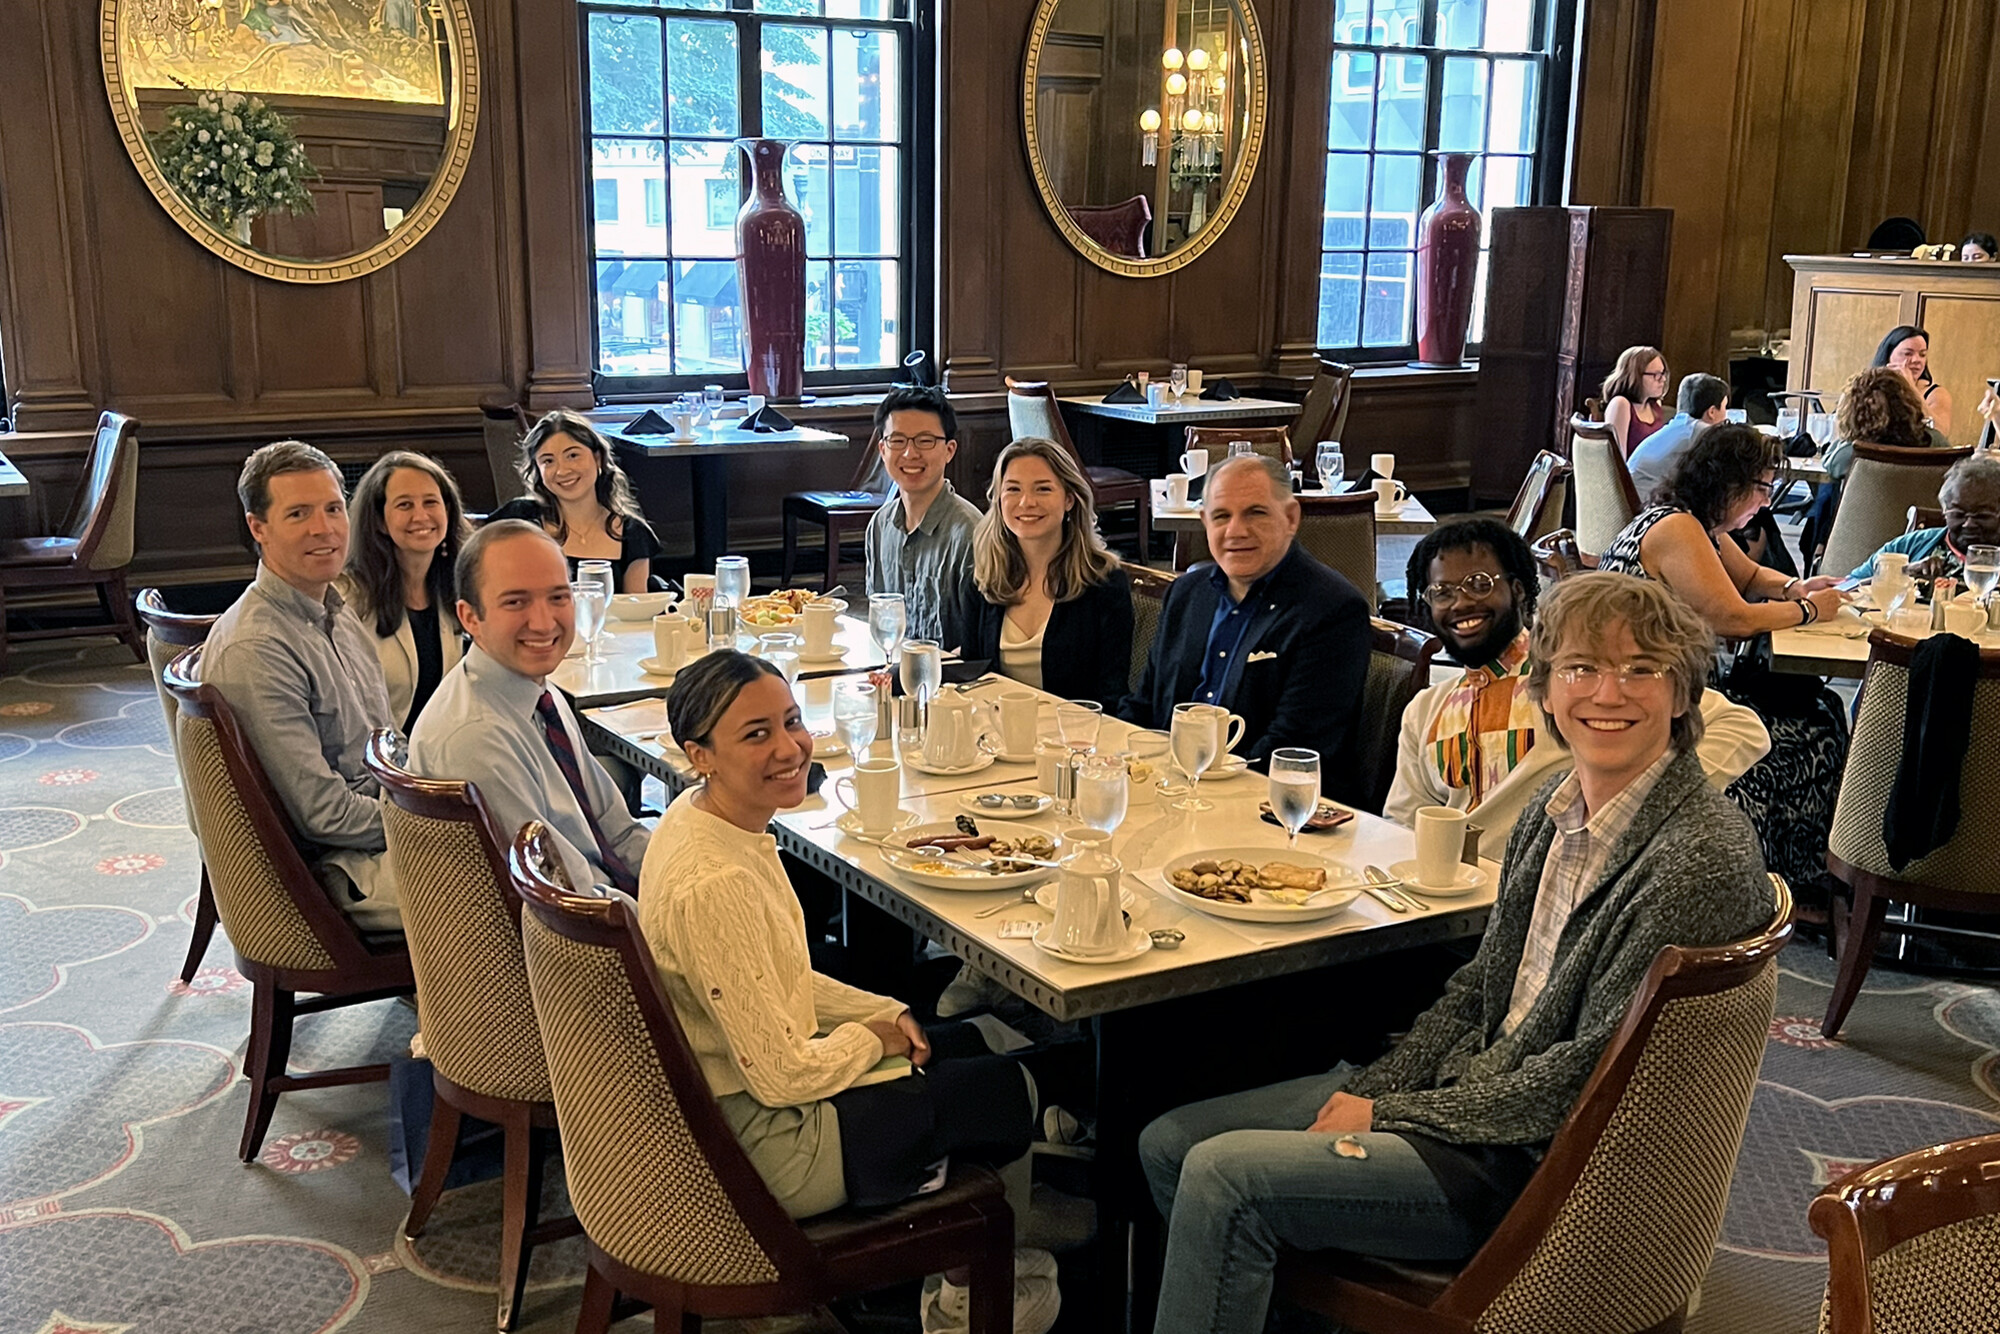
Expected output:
(565, 754)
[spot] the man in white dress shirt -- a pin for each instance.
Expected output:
(497, 723)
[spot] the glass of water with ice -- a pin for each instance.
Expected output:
(1294, 788)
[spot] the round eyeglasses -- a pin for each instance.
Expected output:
(1477, 584)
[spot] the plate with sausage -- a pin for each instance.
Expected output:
(964, 836)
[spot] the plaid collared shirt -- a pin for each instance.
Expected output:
(1570, 875)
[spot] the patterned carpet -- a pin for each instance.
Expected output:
(122, 1208)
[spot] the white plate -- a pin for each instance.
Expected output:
(835, 656)
(849, 822)
(1137, 942)
(1469, 879)
(652, 666)
(915, 760)
(828, 747)
(972, 881)
(970, 801)
(1046, 897)
(1340, 878)
(640, 606)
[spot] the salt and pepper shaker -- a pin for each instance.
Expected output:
(1943, 590)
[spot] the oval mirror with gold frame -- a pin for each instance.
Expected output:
(310, 141)
(1144, 122)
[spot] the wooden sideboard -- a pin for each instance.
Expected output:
(1842, 306)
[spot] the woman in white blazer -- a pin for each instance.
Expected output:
(406, 526)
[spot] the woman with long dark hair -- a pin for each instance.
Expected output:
(406, 525)
(1906, 349)
(583, 498)
(1635, 396)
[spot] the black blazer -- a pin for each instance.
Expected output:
(1304, 663)
(1086, 649)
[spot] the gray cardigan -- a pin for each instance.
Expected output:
(1686, 872)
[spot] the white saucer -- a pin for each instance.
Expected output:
(970, 801)
(1008, 757)
(834, 656)
(1226, 768)
(652, 667)
(1137, 942)
(829, 747)
(1045, 897)
(849, 822)
(1468, 879)
(915, 760)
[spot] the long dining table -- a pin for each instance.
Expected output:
(618, 672)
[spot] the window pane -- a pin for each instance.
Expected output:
(1461, 23)
(867, 200)
(864, 313)
(632, 317)
(1399, 108)
(811, 191)
(705, 198)
(1478, 331)
(819, 325)
(1394, 202)
(707, 315)
(625, 82)
(1463, 127)
(858, 9)
(786, 6)
(795, 101)
(1398, 22)
(1385, 318)
(1510, 26)
(1342, 226)
(1339, 300)
(1514, 111)
(1350, 21)
(684, 4)
(866, 85)
(627, 176)
(1507, 183)
(703, 71)
(1351, 108)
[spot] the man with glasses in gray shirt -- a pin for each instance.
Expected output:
(920, 542)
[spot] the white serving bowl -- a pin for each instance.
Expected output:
(640, 606)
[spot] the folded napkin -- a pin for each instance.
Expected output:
(767, 420)
(1220, 391)
(649, 422)
(1125, 393)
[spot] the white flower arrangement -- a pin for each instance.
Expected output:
(233, 158)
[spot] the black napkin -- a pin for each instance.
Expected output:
(1125, 393)
(767, 420)
(1923, 810)
(649, 422)
(1220, 391)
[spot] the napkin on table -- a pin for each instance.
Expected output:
(1220, 391)
(766, 420)
(649, 422)
(1125, 393)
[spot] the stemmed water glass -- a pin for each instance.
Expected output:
(921, 669)
(1077, 723)
(1177, 378)
(1332, 465)
(854, 716)
(587, 595)
(887, 620)
(1197, 737)
(1294, 788)
(1982, 570)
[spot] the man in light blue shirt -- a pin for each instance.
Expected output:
(496, 723)
(1704, 401)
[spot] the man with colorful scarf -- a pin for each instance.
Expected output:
(1470, 742)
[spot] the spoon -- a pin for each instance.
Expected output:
(1388, 890)
(1027, 896)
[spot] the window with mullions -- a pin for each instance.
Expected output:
(1412, 80)
(671, 85)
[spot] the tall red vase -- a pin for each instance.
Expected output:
(1447, 268)
(771, 273)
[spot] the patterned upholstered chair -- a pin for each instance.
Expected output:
(1606, 499)
(1273, 442)
(1616, 1228)
(1323, 416)
(1399, 665)
(1883, 482)
(1032, 410)
(1538, 506)
(839, 514)
(1961, 876)
(1913, 1242)
(1149, 593)
(289, 936)
(463, 922)
(167, 634)
(1340, 532)
(675, 1213)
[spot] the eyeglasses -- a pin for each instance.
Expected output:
(1477, 584)
(1654, 375)
(1586, 676)
(923, 444)
(1981, 517)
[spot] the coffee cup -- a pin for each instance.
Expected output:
(1194, 462)
(816, 626)
(1156, 395)
(874, 792)
(670, 632)
(1177, 490)
(700, 590)
(1383, 464)
(1194, 380)
(1388, 495)
(1440, 843)
(1019, 710)
(1157, 487)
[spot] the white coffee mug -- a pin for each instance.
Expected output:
(874, 792)
(1177, 490)
(1440, 845)
(1194, 463)
(816, 623)
(1388, 495)
(1018, 712)
(1194, 380)
(1383, 464)
(700, 589)
(670, 631)
(1156, 395)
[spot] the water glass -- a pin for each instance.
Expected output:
(1332, 465)
(1177, 378)
(921, 668)
(1102, 791)
(781, 650)
(1078, 721)
(711, 399)
(1241, 448)
(1196, 738)
(887, 620)
(590, 600)
(732, 579)
(1294, 788)
(854, 716)
(1982, 570)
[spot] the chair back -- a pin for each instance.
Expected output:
(1121, 228)
(1399, 665)
(462, 920)
(1912, 1241)
(104, 509)
(1339, 531)
(504, 428)
(1557, 557)
(1617, 1227)
(1032, 410)
(167, 634)
(1323, 416)
(1273, 442)
(1149, 594)
(1538, 505)
(271, 905)
(1883, 482)
(870, 473)
(659, 1180)
(1606, 499)
(1967, 861)
(1921, 517)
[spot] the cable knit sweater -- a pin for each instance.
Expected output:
(730, 941)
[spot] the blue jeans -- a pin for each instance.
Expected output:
(1238, 1177)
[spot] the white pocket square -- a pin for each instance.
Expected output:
(1259, 657)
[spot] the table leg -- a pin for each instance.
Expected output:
(709, 498)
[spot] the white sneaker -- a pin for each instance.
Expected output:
(945, 1305)
(970, 990)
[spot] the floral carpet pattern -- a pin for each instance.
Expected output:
(123, 1208)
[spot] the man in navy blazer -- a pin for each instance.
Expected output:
(1265, 631)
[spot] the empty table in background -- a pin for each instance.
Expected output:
(1411, 518)
(12, 481)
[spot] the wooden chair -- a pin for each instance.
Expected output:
(1921, 517)
(1538, 506)
(1882, 484)
(1149, 594)
(463, 922)
(675, 1213)
(289, 936)
(1032, 410)
(1557, 557)
(839, 514)
(1911, 1242)
(1606, 499)
(94, 546)
(1961, 876)
(1323, 416)
(1273, 442)
(505, 426)
(1617, 1226)
(168, 633)
(1399, 665)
